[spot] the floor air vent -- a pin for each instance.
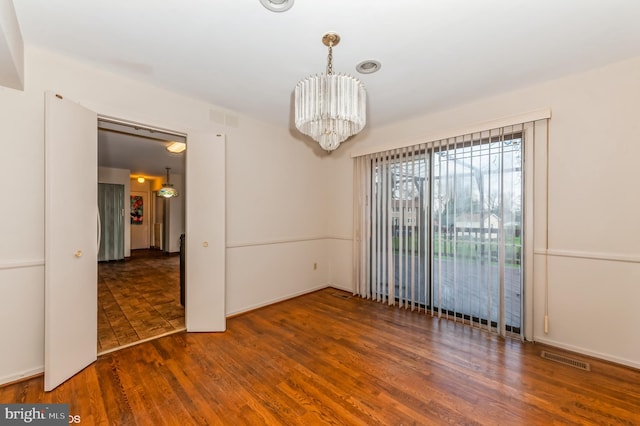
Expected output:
(562, 359)
(341, 296)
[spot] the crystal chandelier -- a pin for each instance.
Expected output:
(330, 107)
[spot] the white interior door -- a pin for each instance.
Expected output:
(205, 233)
(71, 248)
(140, 230)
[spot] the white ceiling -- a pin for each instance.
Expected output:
(141, 156)
(434, 53)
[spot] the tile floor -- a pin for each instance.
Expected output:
(138, 298)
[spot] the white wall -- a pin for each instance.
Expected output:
(176, 210)
(11, 48)
(276, 222)
(594, 256)
(176, 214)
(120, 177)
(22, 241)
(275, 196)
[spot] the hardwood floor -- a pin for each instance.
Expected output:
(322, 359)
(138, 298)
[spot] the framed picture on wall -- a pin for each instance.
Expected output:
(137, 209)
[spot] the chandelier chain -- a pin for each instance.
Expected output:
(330, 60)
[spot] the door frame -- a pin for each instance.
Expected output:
(205, 247)
(205, 274)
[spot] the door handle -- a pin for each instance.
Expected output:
(99, 229)
(78, 253)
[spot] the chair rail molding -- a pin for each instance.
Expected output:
(20, 264)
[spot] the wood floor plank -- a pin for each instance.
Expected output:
(320, 359)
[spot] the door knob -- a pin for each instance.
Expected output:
(78, 253)
(205, 244)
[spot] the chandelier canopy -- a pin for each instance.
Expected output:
(330, 107)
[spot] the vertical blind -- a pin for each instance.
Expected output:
(438, 227)
(111, 210)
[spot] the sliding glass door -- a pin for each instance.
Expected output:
(476, 222)
(443, 225)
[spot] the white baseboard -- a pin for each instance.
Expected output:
(24, 375)
(341, 287)
(276, 300)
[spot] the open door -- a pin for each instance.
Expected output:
(205, 233)
(71, 246)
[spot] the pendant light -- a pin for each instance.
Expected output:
(167, 191)
(330, 107)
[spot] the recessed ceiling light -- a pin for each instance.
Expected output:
(176, 147)
(277, 5)
(368, 67)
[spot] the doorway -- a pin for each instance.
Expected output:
(139, 293)
(71, 250)
(140, 220)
